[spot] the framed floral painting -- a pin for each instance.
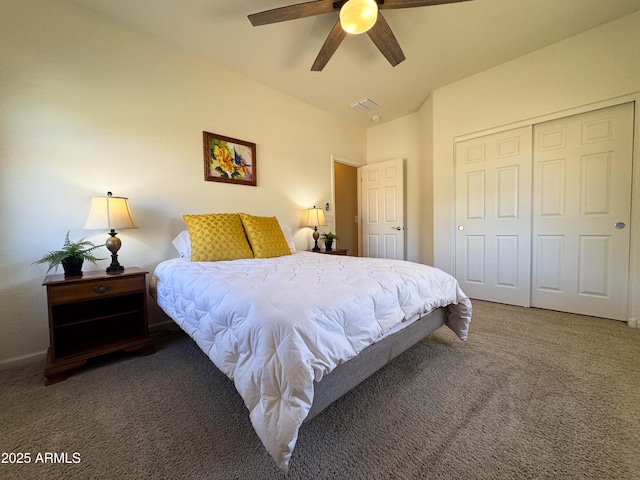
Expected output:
(229, 160)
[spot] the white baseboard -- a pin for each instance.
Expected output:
(23, 360)
(633, 322)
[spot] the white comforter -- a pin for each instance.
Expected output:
(276, 325)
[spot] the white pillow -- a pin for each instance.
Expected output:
(183, 243)
(288, 236)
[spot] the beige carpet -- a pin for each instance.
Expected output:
(532, 395)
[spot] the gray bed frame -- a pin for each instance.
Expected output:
(351, 373)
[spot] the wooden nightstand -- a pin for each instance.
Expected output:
(93, 315)
(335, 251)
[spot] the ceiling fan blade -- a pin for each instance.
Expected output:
(386, 42)
(331, 44)
(389, 4)
(292, 12)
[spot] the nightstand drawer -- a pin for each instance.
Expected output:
(95, 289)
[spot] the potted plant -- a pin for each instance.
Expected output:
(328, 238)
(71, 256)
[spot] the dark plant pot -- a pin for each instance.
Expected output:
(72, 266)
(328, 245)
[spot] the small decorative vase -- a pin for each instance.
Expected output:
(72, 266)
(328, 245)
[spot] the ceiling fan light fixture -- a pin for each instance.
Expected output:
(358, 16)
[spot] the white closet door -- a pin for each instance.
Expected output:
(493, 216)
(582, 210)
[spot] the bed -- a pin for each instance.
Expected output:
(297, 330)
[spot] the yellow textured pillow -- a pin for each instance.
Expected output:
(217, 236)
(265, 236)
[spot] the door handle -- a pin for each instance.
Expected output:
(619, 225)
(397, 228)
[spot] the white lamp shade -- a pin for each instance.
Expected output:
(315, 217)
(108, 213)
(358, 16)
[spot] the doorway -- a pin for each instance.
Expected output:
(345, 182)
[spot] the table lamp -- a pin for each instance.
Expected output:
(109, 213)
(315, 218)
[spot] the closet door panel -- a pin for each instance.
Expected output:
(582, 194)
(493, 216)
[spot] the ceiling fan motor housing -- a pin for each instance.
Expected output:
(358, 16)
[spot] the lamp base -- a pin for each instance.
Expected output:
(115, 267)
(316, 235)
(113, 244)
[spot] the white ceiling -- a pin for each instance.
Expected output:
(442, 44)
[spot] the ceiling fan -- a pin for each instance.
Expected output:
(356, 16)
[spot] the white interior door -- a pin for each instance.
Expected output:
(582, 210)
(493, 216)
(382, 190)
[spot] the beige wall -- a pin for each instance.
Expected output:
(594, 69)
(88, 106)
(426, 209)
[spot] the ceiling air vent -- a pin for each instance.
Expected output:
(364, 105)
